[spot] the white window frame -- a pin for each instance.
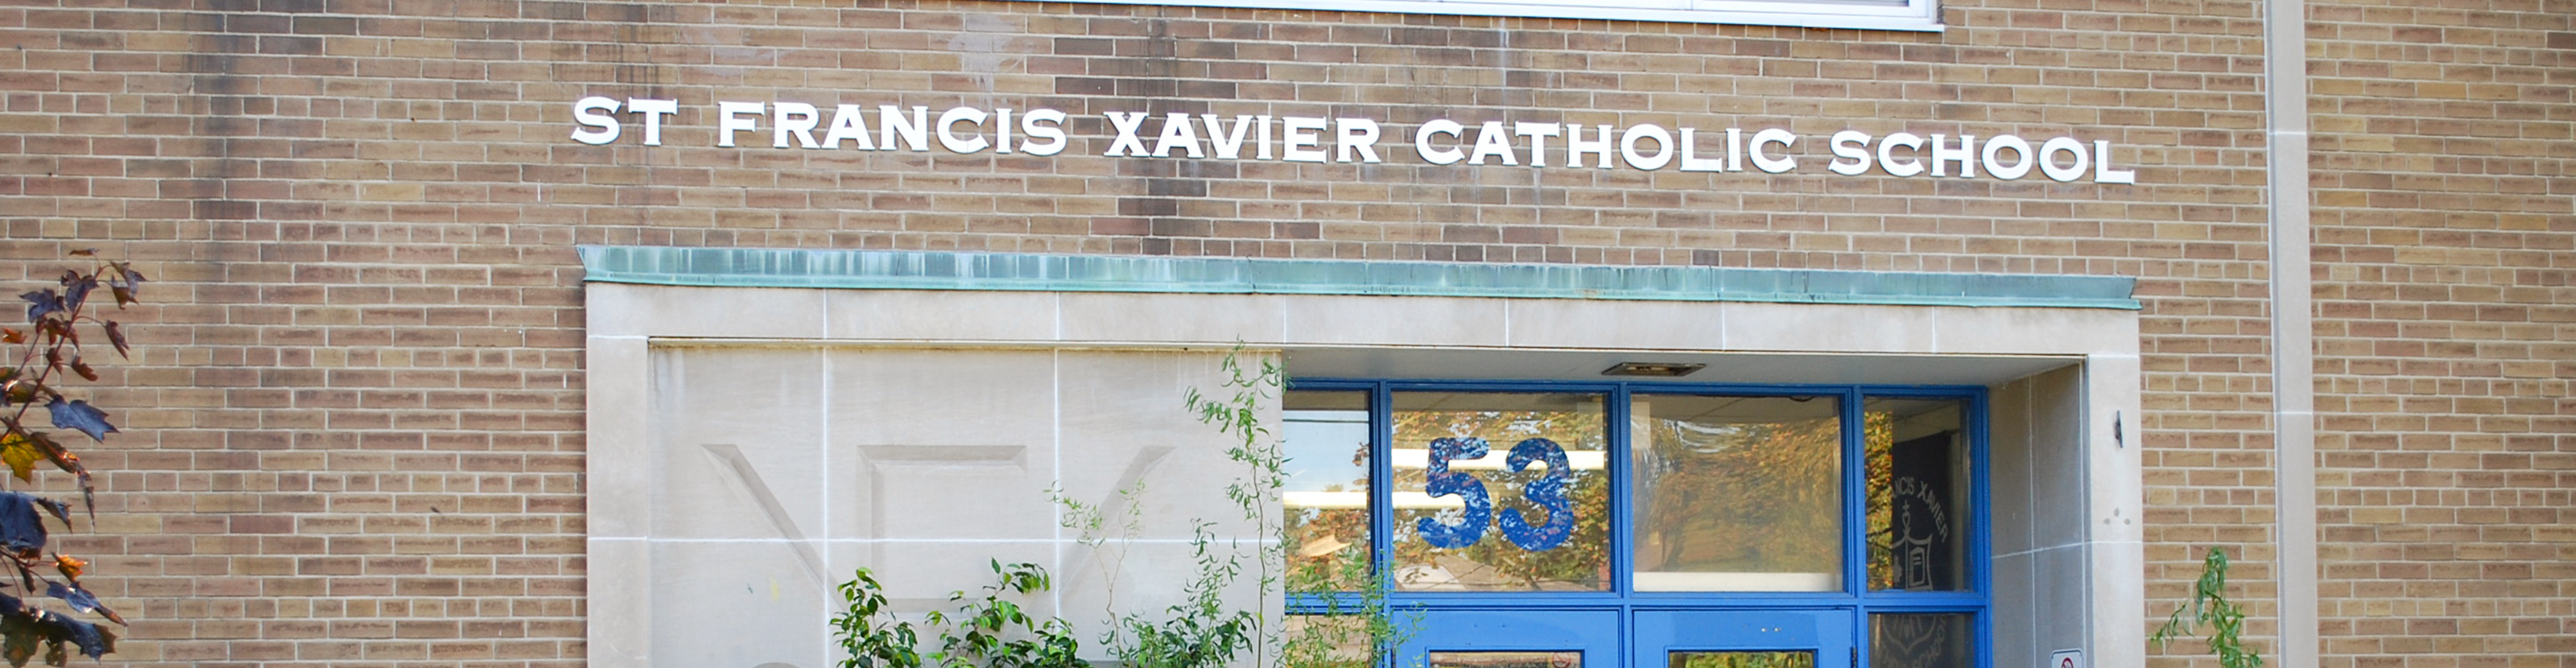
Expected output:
(1911, 15)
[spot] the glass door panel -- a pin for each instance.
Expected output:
(1743, 639)
(1499, 639)
(1910, 640)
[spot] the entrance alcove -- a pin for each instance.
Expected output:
(762, 422)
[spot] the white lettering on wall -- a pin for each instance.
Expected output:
(1305, 139)
(1764, 161)
(1355, 135)
(972, 142)
(798, 119)
(1434, 154)
(1851, 153)
(1889, 162)
(730, 119)
(1126, 143)
(851, 125)
(1047, 124)
(2020, 167)
(963, 130)
(1663, 154)
(1177, 134)
(598, 126)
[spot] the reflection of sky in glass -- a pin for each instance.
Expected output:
(1321, 445)
(1736, 494)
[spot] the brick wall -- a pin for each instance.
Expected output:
(355, 417)
(2446, 332)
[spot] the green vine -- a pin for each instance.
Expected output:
(2210, 607)
(1347, 633)
(866, 639)
(986, 631)
(1200, 632)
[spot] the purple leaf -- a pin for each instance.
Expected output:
(94, 642)
(76, 290)
(80, 599)
(41, 303)
(126, 283)
(78, 414)
(25, 627)
(22, 531)
(133, 281)
(116, 336)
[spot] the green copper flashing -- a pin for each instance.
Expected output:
(930, 270)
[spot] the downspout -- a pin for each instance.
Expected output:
(2294, 438)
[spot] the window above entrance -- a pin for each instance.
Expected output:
(1751, 523)
(1564, 487)
(1917, 15)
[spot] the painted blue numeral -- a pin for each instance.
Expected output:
(1548, 492)
(1443, 482)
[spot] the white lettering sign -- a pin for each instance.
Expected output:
(1319, 139)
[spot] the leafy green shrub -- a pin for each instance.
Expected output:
(985, 631)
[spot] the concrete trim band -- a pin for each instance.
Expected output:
(928, 270)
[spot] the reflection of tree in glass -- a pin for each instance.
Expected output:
(1493, 563)
(1878, 438)
(1329, 641)
(1918, 641)
(1743, 660)
(1328, 548)
(1742, 497)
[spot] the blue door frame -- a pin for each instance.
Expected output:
(1634, 629)
(1594, 633)
(1826, 633)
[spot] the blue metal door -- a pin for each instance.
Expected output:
(1513, 639)
(1744, 639)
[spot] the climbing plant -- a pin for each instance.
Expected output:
(1203, 630)
(50, 353)
(2209, 607)
(1207, 631)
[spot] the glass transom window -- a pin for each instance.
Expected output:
(1646, 524)
(1919, 15)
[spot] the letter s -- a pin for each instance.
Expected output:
(1046, 124)
(1441, 481)
(588, 112)
(1851, 153)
